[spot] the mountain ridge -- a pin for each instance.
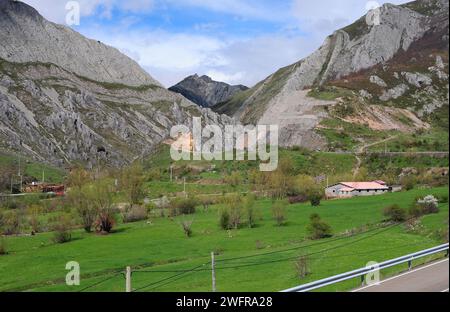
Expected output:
(55, 112)
(204, 91)
(280, 98)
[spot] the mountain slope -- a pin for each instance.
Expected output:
(281, 98)
(85, 102)
(204, 91)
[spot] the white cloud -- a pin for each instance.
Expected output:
(170, 57)
(55, 10)
(325, 16)
(249, 9)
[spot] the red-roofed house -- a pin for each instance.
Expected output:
(351, 189)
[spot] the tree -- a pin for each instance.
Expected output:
(309, 188)
(249, 206)
(234, 205)
(301, 266)
(81, 196)
(317, 228)
(133, 183)
(279, 212)
(102, 201)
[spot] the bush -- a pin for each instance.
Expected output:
(182, 206)
(62, 232)
(3, 247)
(187, 227)
(429, 205)
(408, 182)
(33, 218)
(224, 219)
(443, 199)
(279, 212)
(415, 211)
(317, 228)
(315, 199)
(301, 267)
(249, 204)
(134, 214)
(234, 205)
(395, 213)
(298, 199)
(11, 222)
(105, 222)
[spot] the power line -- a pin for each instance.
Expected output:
(300, 247)
(100, 282)
(179, 275)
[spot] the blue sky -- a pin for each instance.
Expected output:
(236, 41)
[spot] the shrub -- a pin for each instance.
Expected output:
(62, 232)
(105, 222)
(408, 182)
(279, 212)
(11, 222)
(298, 199)
(234, 205)
(443, 199)
(3, 247)
(249, 204)
(224, 219)
(395, 213)
(315, 199)
(317, 228)
(301, 267)
(33, 218)
(182, 206)
(186, 225)
(429, 205)
(415, 211)
(134, 214)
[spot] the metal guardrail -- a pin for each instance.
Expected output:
(364, 271)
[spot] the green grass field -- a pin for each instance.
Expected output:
(33, 169)
(160, 248)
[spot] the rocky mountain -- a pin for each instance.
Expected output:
(206, 92)
(391, 76)
(65, 98)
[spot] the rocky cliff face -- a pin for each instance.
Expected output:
(64, 98)
(358, 48)
(27, 37)
(206, 92)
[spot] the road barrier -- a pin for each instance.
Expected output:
(369, 269)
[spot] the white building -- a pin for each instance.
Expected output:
(351, 189)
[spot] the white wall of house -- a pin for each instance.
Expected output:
(339, 192)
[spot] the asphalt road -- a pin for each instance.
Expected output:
(429, 278)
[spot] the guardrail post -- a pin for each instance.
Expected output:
(409, 265)
(363, 280)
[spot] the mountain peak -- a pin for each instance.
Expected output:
(28, 37)
(19, 8)
(204, 91)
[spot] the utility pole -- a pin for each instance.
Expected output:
(20, 175)
(43, 176)
(213, 271)
(184, 187)
(128, 279)
(171, 173)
